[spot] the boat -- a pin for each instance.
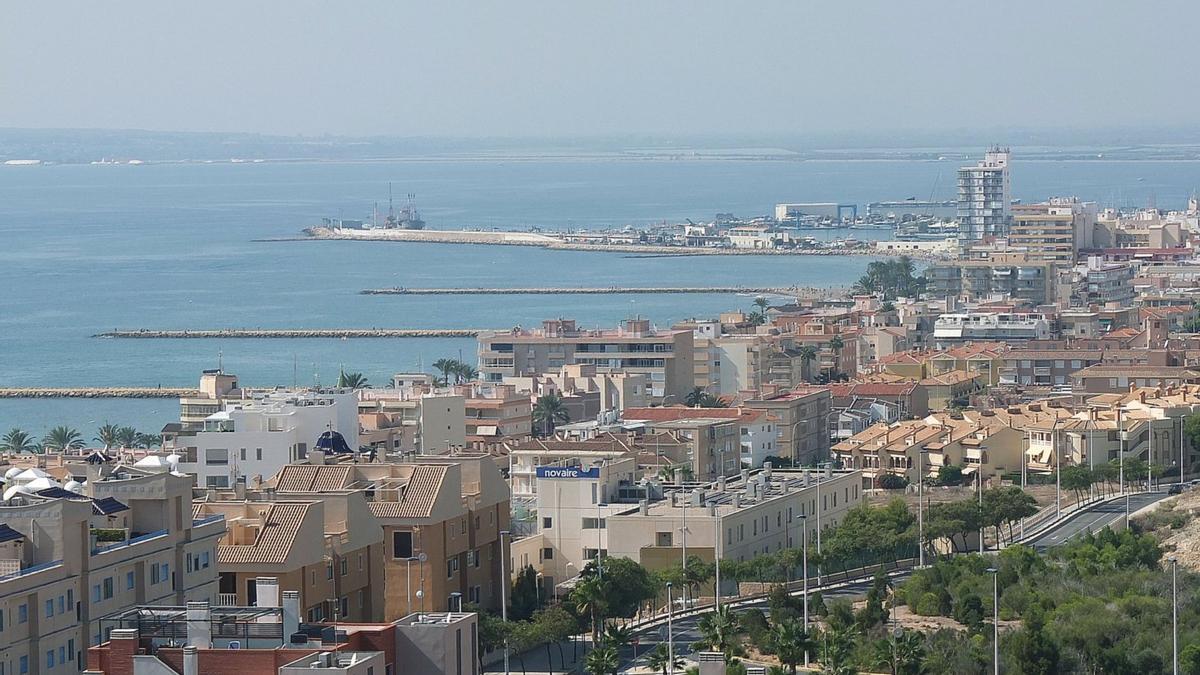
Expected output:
(407, 218)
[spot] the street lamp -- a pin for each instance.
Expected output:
(1057, 471)
(995, 618)
(717, 559)
(1174, 616)
(408, 578)
(670, 632)
(804, 562)
(921, 506)
(456, 600)
(504, 594)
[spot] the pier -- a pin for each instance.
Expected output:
(96, 392)
(611, 290)
(293, 333)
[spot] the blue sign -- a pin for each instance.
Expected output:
(567, 472)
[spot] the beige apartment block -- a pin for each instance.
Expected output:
(665, 357)
(803, 422)
(121, 539)
(329, 550)
(441, 518)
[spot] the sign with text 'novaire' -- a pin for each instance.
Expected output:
(567, 472)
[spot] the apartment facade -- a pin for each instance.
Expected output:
(411, 420)
(1053, 231)
(120, 539)
(984, 196)
(253, 438)
(441, 518)
(664, 356)
(330, 551)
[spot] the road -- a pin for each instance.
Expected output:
(1094, 519)
(686, 632)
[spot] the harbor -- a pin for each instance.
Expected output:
(96, 392)
(291, 333)
(610, 290)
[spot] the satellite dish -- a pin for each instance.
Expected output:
(422, 557)
(420, 594)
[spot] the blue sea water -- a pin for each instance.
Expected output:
(85, 249)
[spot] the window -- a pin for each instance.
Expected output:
(62, 604)
(205, 560)
(360, 562)
(108, 587)
(23, 610)
(546, 523)
(402, 545)
(362, 598)
(258, 454)
(154, 574)
(96, 593)
(216, 481)
(547, 554)
(50, 608)
(329, 570)
(62, 654)
(472, 559)
(451, 567)
(24, 664)
(345, 606)
(345, 567)
(50, 658)
(216, 457)
(129, 581)
(243, 454)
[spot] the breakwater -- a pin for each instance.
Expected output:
(599, 290)
(293, 333)
(96, 392)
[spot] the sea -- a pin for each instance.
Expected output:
(90, 248)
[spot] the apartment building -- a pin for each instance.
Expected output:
(330, 551)
(985, 359)
(411, 420)
(1042, 367)
(759, 512)
(988, 442)
(274, 640)
(1053, 231)
(495, 412)
(908, 398)
(803, 425)
(1032, 281)
(525, 458)
(664, 356)
(72, 553)
(441, 518)
(1100, 282)
(984, 196)
(1108, 379)
(611, 391)
(757, 429)
(958, 327)
(252, 438)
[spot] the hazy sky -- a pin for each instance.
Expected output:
(568, 67)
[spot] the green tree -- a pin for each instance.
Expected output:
(602, 660)
(890, 279)
(790, 643)
(523, 601)
(1030, 650)
(18, 441)
(836, 344)
(352, 380)
(720, 631)
(698, 398)
(149, 440)
(446, 367)
(949, 474)
(127, 437)
(464, 372)
(108, 436)
(659, 660)
(837, 650)
(808, 354)
(1077, 479)
(62, 438)
(549, 412)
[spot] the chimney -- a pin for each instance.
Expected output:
(721, 483)
(291, 613)
(239, 488)
(737, 501)
(807, 477)
(191, 661)
(122, 646)
(267, 589)
(767, 469)
(644, 507)
(745, 475)
(199, 625)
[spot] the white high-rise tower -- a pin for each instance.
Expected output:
(984, 196)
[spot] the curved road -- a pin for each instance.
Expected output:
(685, 631)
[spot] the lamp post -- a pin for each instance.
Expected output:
(979, 485)
(408, 578)
(456, 600)
(717, 559)
(1174, 616)
(804, 562)
(1181, 449)
(995, 619)
(921, 507)
(1057, 471)
(670, 632)
(504, 594)
(1121, 451)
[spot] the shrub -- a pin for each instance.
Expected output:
(927, 605)
(108, 535)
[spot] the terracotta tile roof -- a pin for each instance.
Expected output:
(280, 525)
(419, 495)
(312, 478)
(1137, 371)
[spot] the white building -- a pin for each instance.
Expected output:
(990, 326)
(984, 195)
(254, 438)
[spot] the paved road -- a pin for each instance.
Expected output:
(686, 632)
(1094, 519)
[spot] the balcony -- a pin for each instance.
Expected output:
(227, 600)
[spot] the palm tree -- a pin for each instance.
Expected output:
(62, 438)
(790, 643)
(693, 398)
(617, 636)
(602, 661)
(808, 354)
(127, 437)
(589, 598)
(719, 631)
(836, 344)
(659, 659)
(445, 367)
(148, 440)
(352, 381)
(464, 372)
(762, 304)
(107, 436)
(18, 441)
(550, 411)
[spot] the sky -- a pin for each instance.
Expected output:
(569, 68)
